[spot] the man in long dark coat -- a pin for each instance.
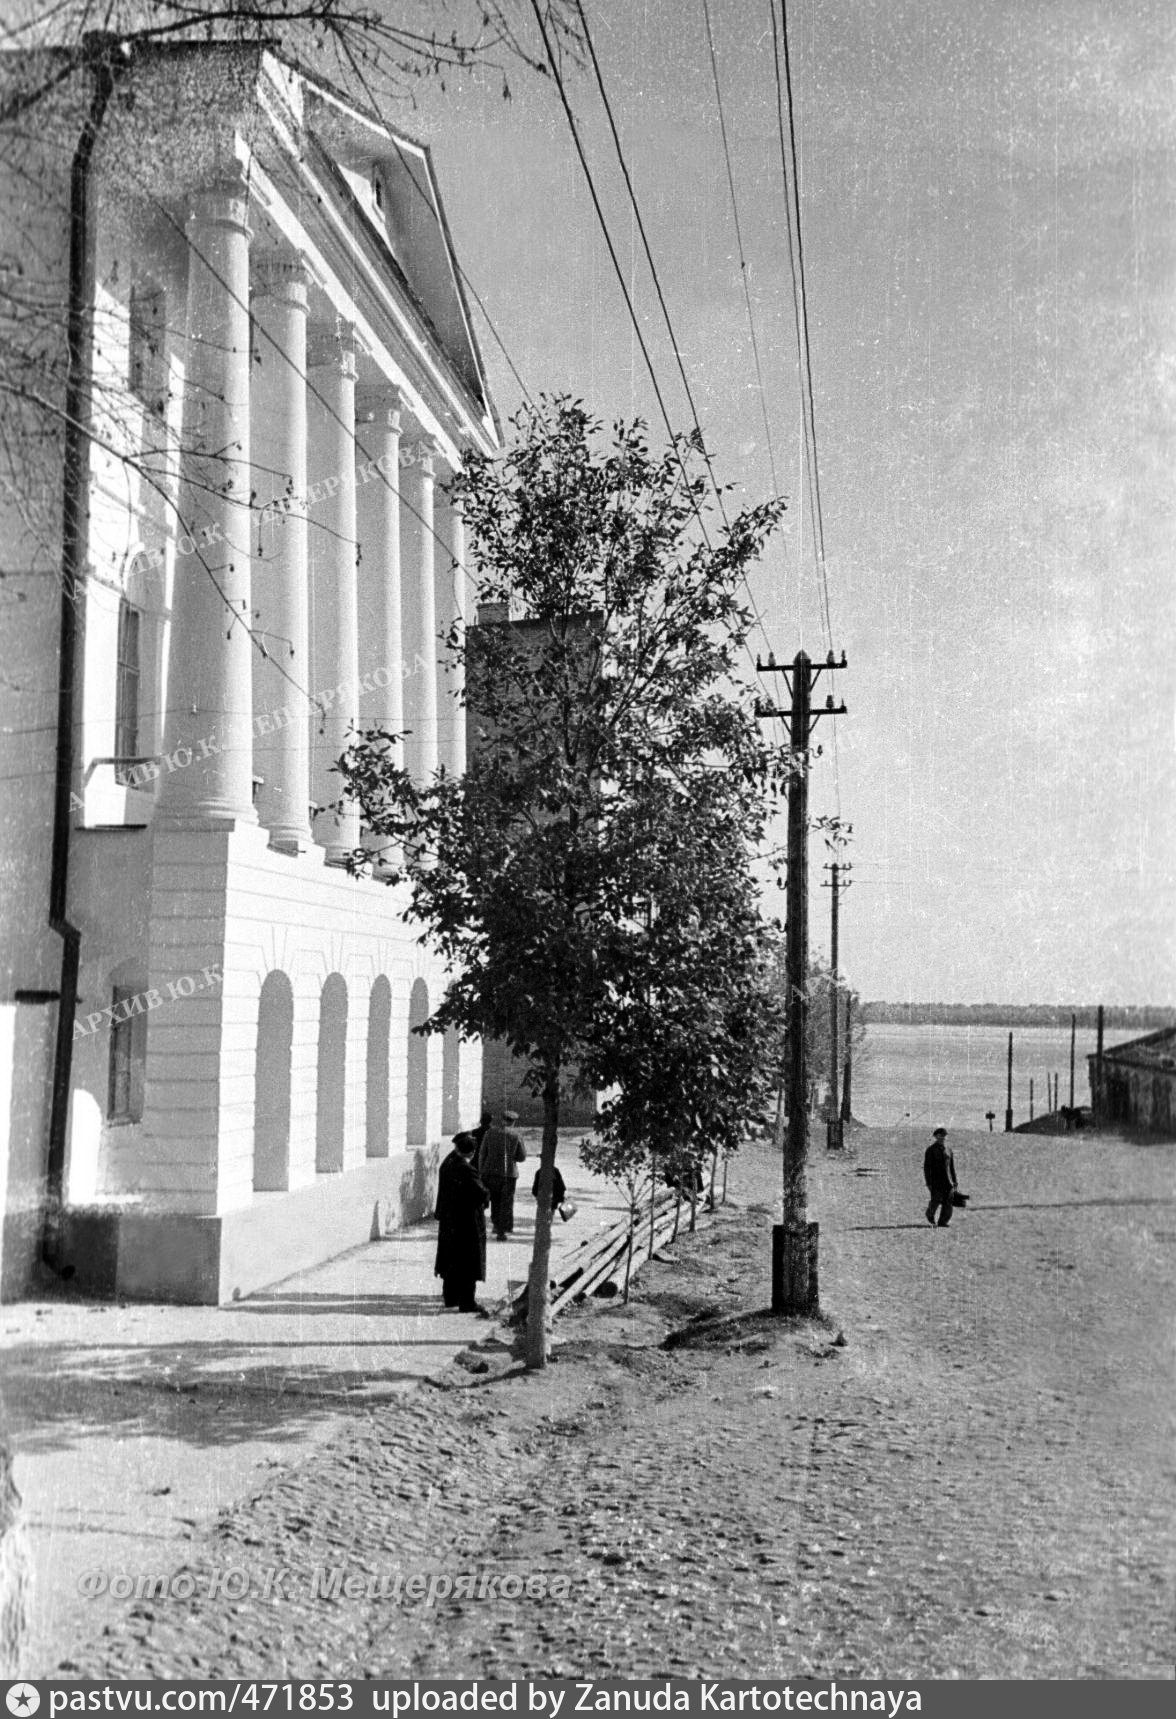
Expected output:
(461, 1227)
(940, 1177)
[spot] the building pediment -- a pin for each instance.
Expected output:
(363, 193)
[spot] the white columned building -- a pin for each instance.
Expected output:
(282, 310)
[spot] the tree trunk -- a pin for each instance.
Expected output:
(538, 1341)
(677, 1212)
(693, 1197)
(629, 1248)
(710, 1196)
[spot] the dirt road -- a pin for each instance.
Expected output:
(977, 1484)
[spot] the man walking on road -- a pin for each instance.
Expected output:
(498, 1165)
(940, 1177)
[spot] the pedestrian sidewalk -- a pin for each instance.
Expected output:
(134, 1423)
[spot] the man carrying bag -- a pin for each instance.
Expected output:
(940, 1177)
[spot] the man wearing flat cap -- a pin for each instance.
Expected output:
(499, 1157)
(940, 1177)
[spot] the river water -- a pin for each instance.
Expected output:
(948, 1077)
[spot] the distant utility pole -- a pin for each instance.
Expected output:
(1009, 1092)
(794, 1242)
(1073, 1044)
(834, 1137)
(1096, 1095)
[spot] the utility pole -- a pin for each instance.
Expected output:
(833, 1132)
(794, 1246)
(795, 1240)
(1096, 1096)
(847, 1083)
(1009, 1092)
(1073, 1045)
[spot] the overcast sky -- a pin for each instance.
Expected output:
(987, 205)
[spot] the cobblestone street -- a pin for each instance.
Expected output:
(977, 1483)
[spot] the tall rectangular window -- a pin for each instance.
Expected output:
(147, 369)
(126, 691)
(128, 1045)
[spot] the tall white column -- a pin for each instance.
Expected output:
(208, 730)
(333, 588)
(451, 610)
(282, 675)
(381, 643)
(417, 473)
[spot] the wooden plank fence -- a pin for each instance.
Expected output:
(607, 1255)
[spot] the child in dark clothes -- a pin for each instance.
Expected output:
(559, 1192)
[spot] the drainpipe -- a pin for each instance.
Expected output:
(99, 51)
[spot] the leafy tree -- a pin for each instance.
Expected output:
(693, 1056)
(607, 725)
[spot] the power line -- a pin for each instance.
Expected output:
(619, 272)
(788, 166)
(789, 158)
(710, 41)
(714, 65)
(608, 239)
(661, 299)
(591, 46)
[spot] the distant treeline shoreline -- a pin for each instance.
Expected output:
(1142, 1017)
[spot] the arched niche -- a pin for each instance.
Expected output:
(379, 1031)
(331, 1088)
(271, 1126)
(418, 1066)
